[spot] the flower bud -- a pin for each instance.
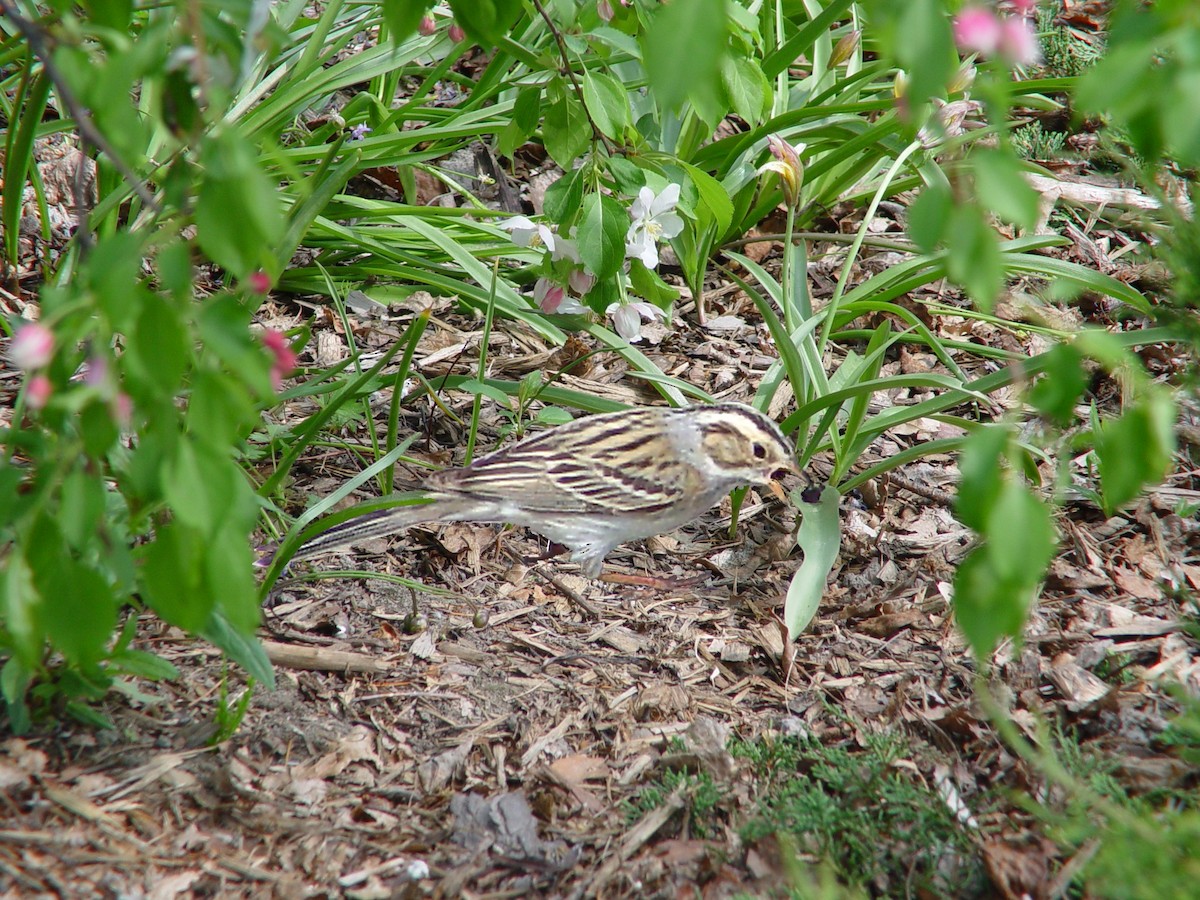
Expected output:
(38, 391)
(787, 166)
(32, 347)
(844, 48)
(963, 79)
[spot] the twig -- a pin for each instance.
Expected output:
(562, 49)
(572, 595)
(324, 659)
(921, 490)
(83, 120)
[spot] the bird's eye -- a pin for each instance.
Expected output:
(758, 450)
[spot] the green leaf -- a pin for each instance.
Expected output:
(11, 478)
(1056, 392)
(244, 649)
(487, 21)
(608, 103)
(220, 412)
(89, 716)
(647, 284)
(117, 283)
(20, 604)
(475, 386)
(79, 611)
(15, 679)
(920, 37)
(929, 215)
(198, 484)
(238, 216)
(564, 197)
(144, 665)
(602, 235)
(229, 572)
(713, 199)
(973, 256)
(628, 177)
(1020, 534)
(747, 88)
(172, 580)
(1135, 449)
(224, 325)
(980, 474)
(552, 415)
(987, 606)
(1001, 187)
(403, 16)
(81, 513)
(160, 352)
(682, 49)
(18, 158)
(114, 14)
(565, 131)
(97, 428)
(527, 110)
(820, 537)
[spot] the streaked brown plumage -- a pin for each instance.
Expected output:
(597, 481)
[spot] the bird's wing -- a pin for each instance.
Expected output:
(583, 471)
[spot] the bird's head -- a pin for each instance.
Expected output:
(744, 446)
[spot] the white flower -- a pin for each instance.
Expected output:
(563, 248)
(627, 318)
(640, 245)
(654, 220)
(527, 233)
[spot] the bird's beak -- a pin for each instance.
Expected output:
(773, 484)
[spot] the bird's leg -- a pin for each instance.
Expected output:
(555, 549)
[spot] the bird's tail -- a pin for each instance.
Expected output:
(370, 525)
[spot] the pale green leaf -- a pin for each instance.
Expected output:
(820, 538)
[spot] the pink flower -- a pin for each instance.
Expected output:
(38, 391)
(285, 356)
(977, 30)
(259, 282)
(604, 10)
(627, 318)
(548, 295)
(581, 281)
(428, 26)
(32, 347)
(1025, 7)
(1018, 42)
(456, 33)
(553, 300)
